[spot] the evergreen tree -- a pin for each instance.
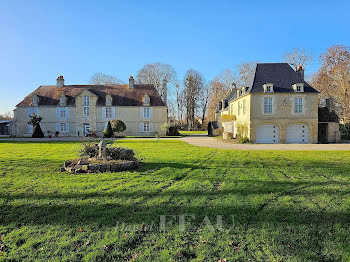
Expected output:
(108, 132)
(38, 133)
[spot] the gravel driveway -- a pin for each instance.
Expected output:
(206, 141)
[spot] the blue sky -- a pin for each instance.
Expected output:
(43, 39)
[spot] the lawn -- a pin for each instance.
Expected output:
(274, 206)
(191, 133)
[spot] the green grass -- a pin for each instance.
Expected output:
(191, 133)
(287, 206)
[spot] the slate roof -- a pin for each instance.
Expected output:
(121, 94)
(281, 75)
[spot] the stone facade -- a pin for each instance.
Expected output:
(247, 103)
(69, 118)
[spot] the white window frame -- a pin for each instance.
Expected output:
(108, 112)
(268, 88)
(64, 129)
(268, 105)
(62, 113)
(35, 100)
(298, 88)
(298, 105)
(109, 101)
(86, 111)
(86, 100)
(146, 127)
(148, 114)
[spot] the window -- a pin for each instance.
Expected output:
(86, 100)
(298, 107)
(299, 89)
(86, 111)
(109, 101)
(239, 108)
(62, 113)
(146, 112)
(267, 105)
(108, 112)
(35, 100)
(268, 88)
(146, 127)
(244, 107)
(62, 127)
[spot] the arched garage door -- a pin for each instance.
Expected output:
(268, 134)
(297, 133)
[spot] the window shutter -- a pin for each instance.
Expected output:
(67, 112)
(29, 111)
(141, 127)
(150, 112)
(67, 128)
(30, 129)
(151, 127)
(57, 113)
(141, 112)
(58, 127)
(106, 125)
(103, 112)
(113, 112)
(35, 109)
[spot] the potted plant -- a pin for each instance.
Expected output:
(49, 133)
(57, 134)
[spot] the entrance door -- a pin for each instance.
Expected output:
(322, 133)
(86, 130)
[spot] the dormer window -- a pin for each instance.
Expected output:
(108, 100)
(268, 88)
(86, 100)
(146, 100)
(299, 88)
(63, 100)
(35, 99)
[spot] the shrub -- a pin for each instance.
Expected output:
(118, 126)
(89, 149)
(242, 130)
(38, 133)
(119, 153)
(225, 118)
(173, 131)
(243, 140)
(108, 132)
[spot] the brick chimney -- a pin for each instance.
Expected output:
(131, 82)
(300, 71)
(60, 81)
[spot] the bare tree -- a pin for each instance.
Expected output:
(103, 79)
(298, 58)
(6, 116)
(204, 98)
(244, 71)
(180, 102)
(193, 83)
(159, 75)
(333, 78)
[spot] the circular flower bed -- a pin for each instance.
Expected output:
(99, 158)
